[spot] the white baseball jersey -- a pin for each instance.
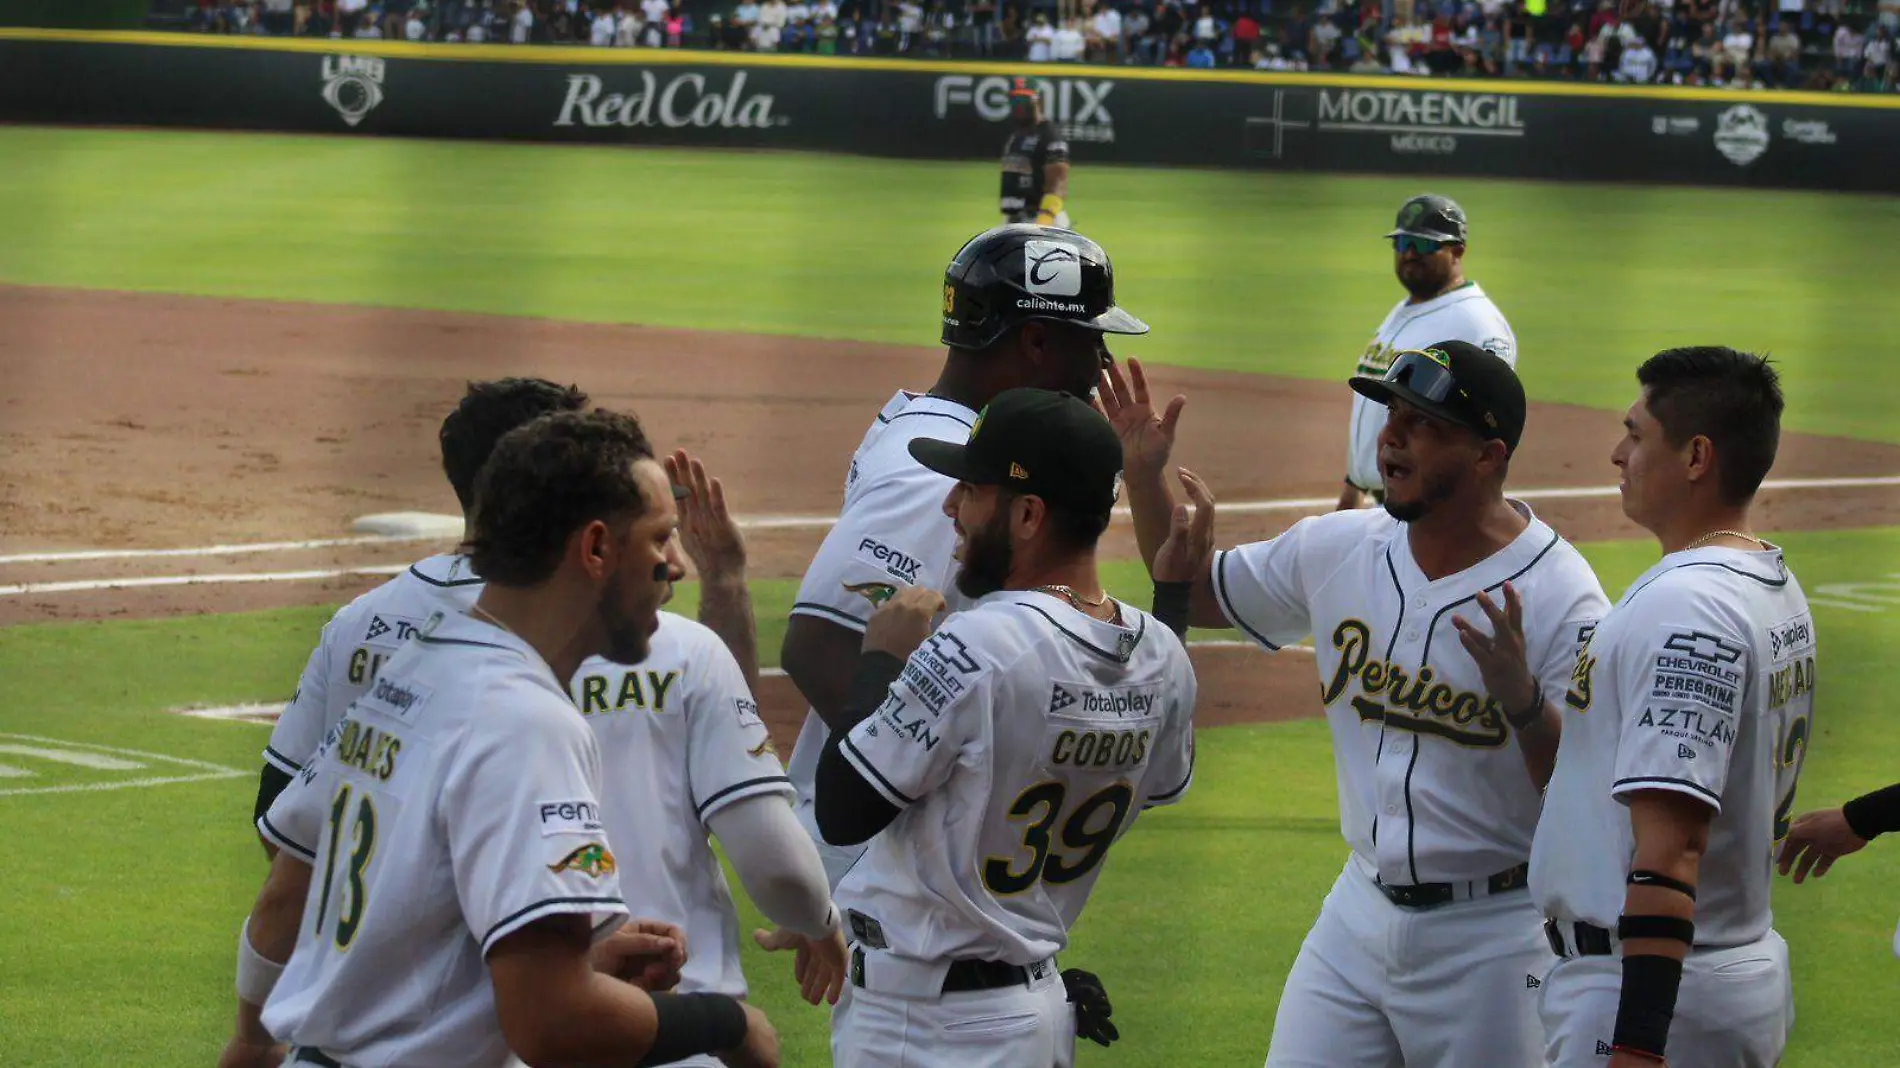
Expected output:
(355, 643)
(891, 533)
(680, 738)
(455, 803)
(1021, 741)
(1430, 787)
(1464, 314)
(1701, 681)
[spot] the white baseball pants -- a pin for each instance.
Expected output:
(1027, 1026)
(1379, 986)
(1734, 1009)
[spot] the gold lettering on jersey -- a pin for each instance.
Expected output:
(364, 664)
(1788, 683)
(1100, 749)
(1390, 695)
(1578, 696)
(366, 748)
(638, 689)
(1377, 359)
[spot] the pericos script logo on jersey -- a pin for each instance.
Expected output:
(1391, 696)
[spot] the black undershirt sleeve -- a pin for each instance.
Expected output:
(1874, 814)
(269, 784)
(849, 809)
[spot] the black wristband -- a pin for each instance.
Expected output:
(1648, 1004)
(1646, 877)
(1172, 600)
(1531, 715)
(691, 1024)
(1872, 815)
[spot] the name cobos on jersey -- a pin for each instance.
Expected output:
(1078, 737)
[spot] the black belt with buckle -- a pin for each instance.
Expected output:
(966, 975)
(313, 1055)
(1590, 940)
(983, 975)
(1432, 895)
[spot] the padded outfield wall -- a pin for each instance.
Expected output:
(915, 109)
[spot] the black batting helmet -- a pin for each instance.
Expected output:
(1018, 272)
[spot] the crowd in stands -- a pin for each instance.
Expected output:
(1804, 44)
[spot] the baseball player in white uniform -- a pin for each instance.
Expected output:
(1428, 251)
(1439, 764)
(1685, 729)
(686, 755)
(1007, 755)
(442, 874)
(1023, 305)
(363, 634)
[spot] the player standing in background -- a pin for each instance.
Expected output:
(1686, 726)
(1428, 252)
(686, 755)
(464, 878)
(1035, 163)
(1022, 306)
(1007, 755)
(367, 631)
(1439, 760)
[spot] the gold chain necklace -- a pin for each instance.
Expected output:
(486, 614)
(1714, 534)
(1074, 598)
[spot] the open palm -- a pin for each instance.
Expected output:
(1147, 438)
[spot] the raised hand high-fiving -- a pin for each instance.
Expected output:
(1147, 437)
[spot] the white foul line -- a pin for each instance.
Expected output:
(210, 771)
(82, 585)
(767, 522)
(214, 550)
(1301, 504)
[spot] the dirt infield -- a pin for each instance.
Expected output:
(152, 422)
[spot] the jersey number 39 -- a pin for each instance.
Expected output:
(349, 913)
(1088, 831)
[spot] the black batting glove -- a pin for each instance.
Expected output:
(1091, 1006)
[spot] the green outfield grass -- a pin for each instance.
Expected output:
(116, 945)
(1280, 273)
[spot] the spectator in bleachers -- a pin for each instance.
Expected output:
(627, 29)
(1780, 64)
(771, 25)
(1068, 45)
(1878, 56)
(1201, 56)
(1848, 45)
(1737, 53)
(1637, 64)
(1206, 30)
(1041, 39)
(520, 26)
(1704, 54)
(1323, 48)
(1105, 36)
(910, 25)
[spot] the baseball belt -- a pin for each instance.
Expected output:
(967, 975)
(1432, 895)
(1585, 939)
(313, 1055)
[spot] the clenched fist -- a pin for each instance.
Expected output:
(904, 621)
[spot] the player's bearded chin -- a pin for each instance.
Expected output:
(1435, 488)
(987, 556)
(627, 633)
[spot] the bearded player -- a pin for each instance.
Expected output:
(1035, 163)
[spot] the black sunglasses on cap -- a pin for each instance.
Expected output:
(1455, 381)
